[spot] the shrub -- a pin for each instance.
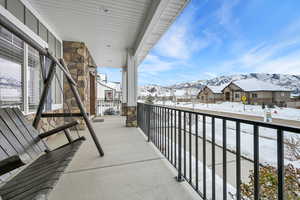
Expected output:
(268, 183)
(149, 99)
(292, 147)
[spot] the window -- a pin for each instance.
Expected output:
(34, 79)
(19, 64)
(16, 8)
(51, 43)
(237, 95)
(2, 3)
(43, 32)
(58, 49)
(11, 57)
(254, 95)
(57, 87)
(31, 21)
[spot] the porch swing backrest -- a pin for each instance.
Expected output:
(18, 137)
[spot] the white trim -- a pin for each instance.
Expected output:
(41, 19)
(25, 79)
(153, 16)
(124, 85)
(131, 79)
(10, 17)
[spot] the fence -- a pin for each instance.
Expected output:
(193, 142)
(108, 107)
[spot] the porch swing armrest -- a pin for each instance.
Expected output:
(58, 129)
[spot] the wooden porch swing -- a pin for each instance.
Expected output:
(29, 168)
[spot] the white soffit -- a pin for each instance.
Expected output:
(160, 21)
(110, 27)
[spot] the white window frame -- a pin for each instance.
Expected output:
(39, 40)
(26, 86)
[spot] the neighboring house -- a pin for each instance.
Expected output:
(257, 92)
(210, 94)
(108, 91)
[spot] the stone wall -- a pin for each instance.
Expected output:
(131, 120)
(80, 64)
(47, 124)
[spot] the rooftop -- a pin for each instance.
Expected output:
(257, 85)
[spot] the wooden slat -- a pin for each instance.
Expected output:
(15, 144)
(6, 146)
(41, 176)
(23, 130)
(30, 128)
(19, 136)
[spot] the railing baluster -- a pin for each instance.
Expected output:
(172, 161)
(149, 125)
(196, 153)
(175, 136)
(168, 114)
(156, 118)
(224, 161)
(165, 131)
(160, 124)
(238, 161)
(184, 143)
(190, 149)
(256, 162)
(179, 177)
(213, 158)
(280, 165)
(204, 155)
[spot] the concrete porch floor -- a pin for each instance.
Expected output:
(131, 169)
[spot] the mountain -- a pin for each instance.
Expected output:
(284, 80)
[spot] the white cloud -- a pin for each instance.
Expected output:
(153, 65)
(273, 57)
(225, 17)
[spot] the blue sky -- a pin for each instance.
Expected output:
(223, 37)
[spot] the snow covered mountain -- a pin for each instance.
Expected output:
(283, 80)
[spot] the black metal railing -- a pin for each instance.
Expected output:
(199, 147)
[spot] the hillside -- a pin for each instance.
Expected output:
(284, 80)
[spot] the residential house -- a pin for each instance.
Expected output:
(256, 92)
(108, 91)
(210, 94)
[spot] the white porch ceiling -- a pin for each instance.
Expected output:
(110, 27)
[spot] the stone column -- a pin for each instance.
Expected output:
(124, 92)
(131, 120)
(79, 61)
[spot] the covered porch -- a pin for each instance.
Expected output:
(132, 168)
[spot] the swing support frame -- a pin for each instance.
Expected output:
(49, 77)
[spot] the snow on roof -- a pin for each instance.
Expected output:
(257, 85)
(216, 89)
(114, 85)
(111, 85)
(179, 93)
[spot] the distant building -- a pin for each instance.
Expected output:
(107, 91)
(210, 94)
(256, 92)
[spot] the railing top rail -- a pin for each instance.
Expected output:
(277, 126)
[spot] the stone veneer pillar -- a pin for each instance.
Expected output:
(124, 109)
(79, 61)
(131, 120)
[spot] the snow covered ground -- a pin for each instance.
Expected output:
(235, 107)
(268, 137)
